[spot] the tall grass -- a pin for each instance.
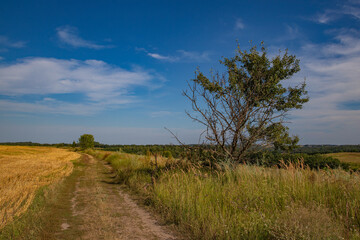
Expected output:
(247, 202)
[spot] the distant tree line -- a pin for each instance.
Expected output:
(37, 144)
(323, 149)
(309, 154)
(178, 150)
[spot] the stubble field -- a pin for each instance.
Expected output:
(352, 158)
(24, 170)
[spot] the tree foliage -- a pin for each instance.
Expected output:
(247, 104)
(86, 141)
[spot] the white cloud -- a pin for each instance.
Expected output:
(349, 8)
(50, 106)
(352, 11)
(194, 56)
(1, 58)
(326, 17)
(70, 36)
(181, 56)
(5, 43)
(161, 57)
(332, 72)
(103, 85)
(239, 24)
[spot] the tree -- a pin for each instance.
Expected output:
(248, 104)
(86, 141)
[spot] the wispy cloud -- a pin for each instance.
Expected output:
(69, 35)
(158, 56)
(181, 55)
(239, 24)
(103, 85)
(326, 16)
(50, 107)
(291, 32)
(194, 56)
(333, 81)
(6, 43)
(162, 57)
(349, 8)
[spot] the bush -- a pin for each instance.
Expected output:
(86, 141)
(316, 161)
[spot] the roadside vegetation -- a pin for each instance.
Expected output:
(24, 171)
(243, 201)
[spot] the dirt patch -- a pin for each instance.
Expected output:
(64, 226)
(99, 209)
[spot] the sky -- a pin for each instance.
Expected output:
(117, 69)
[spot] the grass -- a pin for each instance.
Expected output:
(352, 158)
(25, 170)
(246, 202)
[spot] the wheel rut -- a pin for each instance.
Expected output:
(99, 209)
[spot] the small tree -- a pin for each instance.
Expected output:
(86, 141)
(247, 105)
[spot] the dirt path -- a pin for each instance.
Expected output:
(93, 207)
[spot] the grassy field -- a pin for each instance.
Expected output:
(352, 158)
(24, 170)
(246, 202)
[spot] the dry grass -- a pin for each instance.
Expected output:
(348, 157)
(248, 202)
(24, 170)
(351, 158)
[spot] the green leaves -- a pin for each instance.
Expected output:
(248, 103)
(86, 141)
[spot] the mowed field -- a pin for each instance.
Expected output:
(24, 170)
(348, 157)
(353, 158)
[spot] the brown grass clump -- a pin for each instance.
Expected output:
(310, 222)
(24, 170)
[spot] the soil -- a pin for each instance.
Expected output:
(92, 206)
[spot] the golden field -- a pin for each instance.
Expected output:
(352, 158)
(24, 170)
(348, 157)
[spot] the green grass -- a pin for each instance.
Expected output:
(29, 223)
(246, 202)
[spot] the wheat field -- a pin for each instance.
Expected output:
(24, 170)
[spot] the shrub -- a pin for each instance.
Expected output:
(316, 161)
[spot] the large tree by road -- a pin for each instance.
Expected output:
(247, 104)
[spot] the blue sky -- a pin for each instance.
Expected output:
(116, 69)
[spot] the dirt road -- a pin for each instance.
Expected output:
(91, 206)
